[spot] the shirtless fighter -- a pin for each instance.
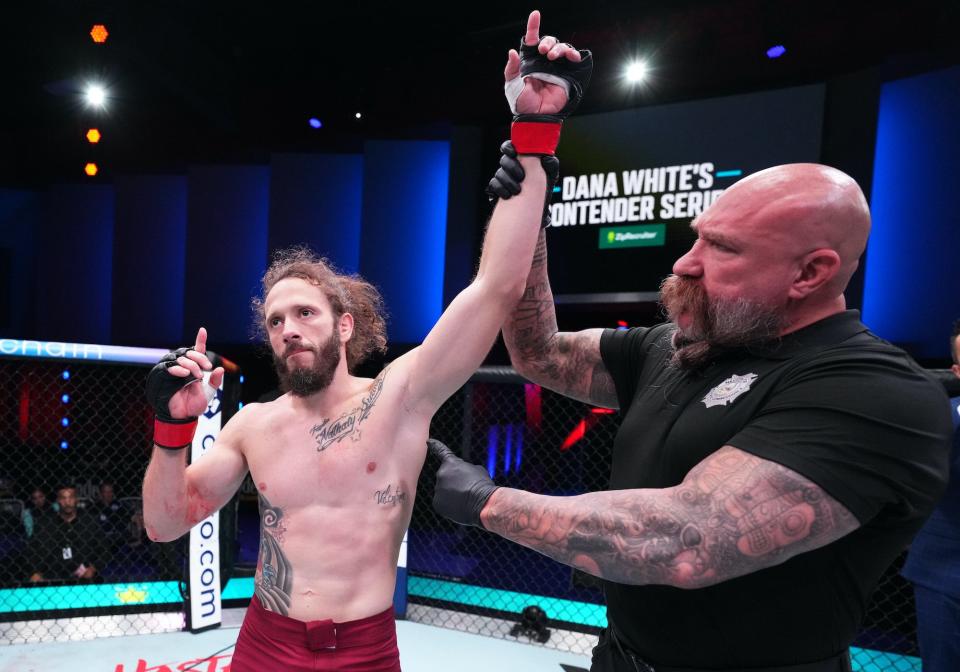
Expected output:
(336, 458)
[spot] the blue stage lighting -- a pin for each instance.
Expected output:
(315, 123)
(65, 398)
(66, 375)
(776, 52)
(63, 445)
(65, 422)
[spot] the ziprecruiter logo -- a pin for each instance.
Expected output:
(648, 235)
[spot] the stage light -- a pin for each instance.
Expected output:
(93, 136)
(65, 398)
(358, 115)
(636, 72)
(99, 33)
(96, 95)
(90, 169)
(66, 375)
(65, 422)
(315, 123)
(776, 52)
(63, 445)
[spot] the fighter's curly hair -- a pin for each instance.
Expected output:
(346, 294)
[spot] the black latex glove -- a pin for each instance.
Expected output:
(506, 181)
(462, 489)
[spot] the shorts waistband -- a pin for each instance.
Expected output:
(324, 634)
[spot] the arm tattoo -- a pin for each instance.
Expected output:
(567, 363)
(734, 514)
(327, 433)
(274, 578)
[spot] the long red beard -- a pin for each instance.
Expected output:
(716, 325)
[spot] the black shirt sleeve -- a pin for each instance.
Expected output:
(872, 431)
(624, 352)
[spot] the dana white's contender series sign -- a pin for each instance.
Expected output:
(205, 607)
(632, 180)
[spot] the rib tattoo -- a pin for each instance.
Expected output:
(274, 579)
(733, 514)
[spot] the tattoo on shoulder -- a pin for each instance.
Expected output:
(327, 432)
(274, 578)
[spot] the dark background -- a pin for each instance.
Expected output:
(206, 148)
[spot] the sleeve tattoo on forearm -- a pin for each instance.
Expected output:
(734, 513)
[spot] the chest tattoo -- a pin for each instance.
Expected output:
(390, 497)
(327, 432)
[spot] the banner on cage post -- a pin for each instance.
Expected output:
(205, 605)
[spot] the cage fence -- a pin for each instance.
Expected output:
(86, 426)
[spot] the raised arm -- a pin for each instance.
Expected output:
(460, 340)
(565, 362)
(733, 514)
(177, 497)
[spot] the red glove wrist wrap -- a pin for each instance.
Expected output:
(173, 436)
(535, 137)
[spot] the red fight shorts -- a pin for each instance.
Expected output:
(269, 641)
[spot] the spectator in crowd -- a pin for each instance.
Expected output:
(69, 547)
(112, 516)
(38, 509)
(933, 564)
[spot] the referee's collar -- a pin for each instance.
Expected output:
(829, 331)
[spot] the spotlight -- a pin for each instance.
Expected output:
(315, 123)
(358, 115)
(636, 72)
(91, 170)
(99, 33)
(93, 136)
(777, 51)
(96, 95)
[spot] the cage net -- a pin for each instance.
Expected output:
(75, 439)
(532, 439)
(87, 426)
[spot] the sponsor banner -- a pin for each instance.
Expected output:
(205, 601)
(647, 235)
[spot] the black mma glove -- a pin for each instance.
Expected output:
(540, 133)
(506, 181)
(169, 432)
(462, 489)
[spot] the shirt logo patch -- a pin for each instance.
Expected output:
(728, 391)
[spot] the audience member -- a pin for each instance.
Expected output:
(69, 547)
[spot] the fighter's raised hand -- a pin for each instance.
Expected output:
(539, 96)
(178, 393)
(545, 82)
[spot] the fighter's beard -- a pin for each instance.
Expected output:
(717, 325)
(302, 382)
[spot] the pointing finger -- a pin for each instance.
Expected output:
(533, 29)
(201, 345)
